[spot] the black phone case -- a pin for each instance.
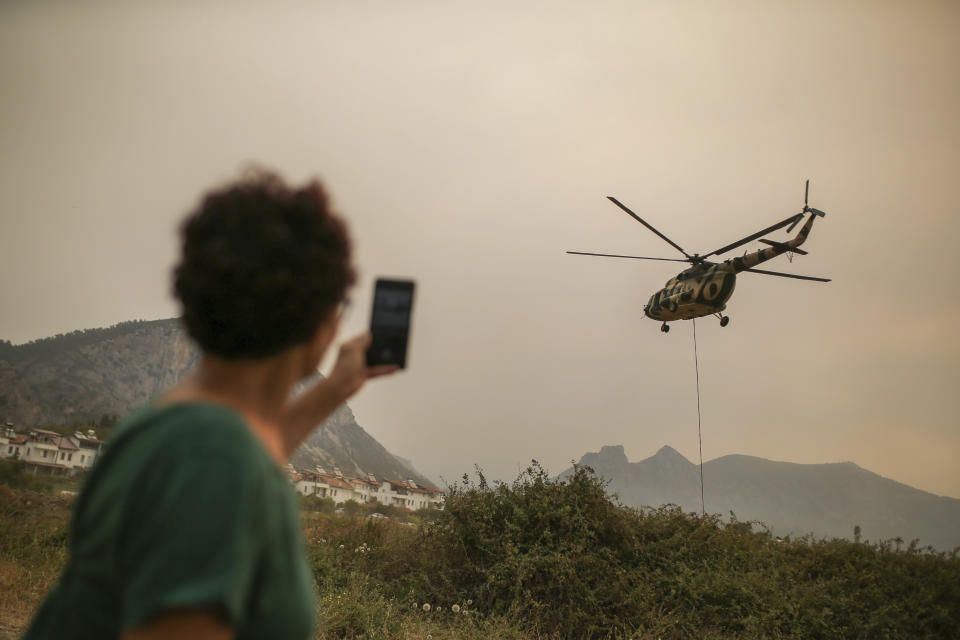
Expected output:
(390, 322)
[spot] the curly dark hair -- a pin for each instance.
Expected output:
(262, 266)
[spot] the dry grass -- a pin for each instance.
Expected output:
(22, 588)
(32, 553)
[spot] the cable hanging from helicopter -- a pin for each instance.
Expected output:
(705, 287)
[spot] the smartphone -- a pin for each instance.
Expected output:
(390, 322)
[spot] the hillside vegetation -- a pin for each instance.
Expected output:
(544, 558)
(82, 376)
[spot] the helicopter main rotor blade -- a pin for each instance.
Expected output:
(615, 255)
(648, 226)
(794, 218)
(788, 275)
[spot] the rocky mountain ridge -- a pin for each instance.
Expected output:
(84, 376)
(827, 500)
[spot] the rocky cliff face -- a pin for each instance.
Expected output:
(828, 500)
(343, 444)
(86, 375)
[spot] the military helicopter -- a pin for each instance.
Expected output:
(705, 287)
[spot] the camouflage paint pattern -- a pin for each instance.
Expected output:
(704, 288)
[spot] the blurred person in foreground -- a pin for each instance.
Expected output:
(188, 526)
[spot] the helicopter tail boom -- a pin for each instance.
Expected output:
(736, 265)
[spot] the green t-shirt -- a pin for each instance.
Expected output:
(184, 510)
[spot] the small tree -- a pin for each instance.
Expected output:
(327, 505)
(352, 508)
(317, 504)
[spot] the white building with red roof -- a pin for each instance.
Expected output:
(51, 451)
(405, 495)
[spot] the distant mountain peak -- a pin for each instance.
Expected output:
(613, 453)
(609, 457)
(668, 457)
(666, 451)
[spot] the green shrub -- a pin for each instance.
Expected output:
(561, 559)
(352, 508)
(316, 504)
(17, 474)
(552, 553)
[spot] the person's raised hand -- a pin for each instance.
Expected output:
(351, 371)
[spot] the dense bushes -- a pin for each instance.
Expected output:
(544, 551)
(542, 558)
(16, 474)
(561, 559)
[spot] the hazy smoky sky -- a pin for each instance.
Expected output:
(471, 144)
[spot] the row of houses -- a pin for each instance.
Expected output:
(53, 452)
(50, 451)
(404, 494)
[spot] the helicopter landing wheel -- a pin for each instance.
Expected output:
(665, 328)
(724, 321)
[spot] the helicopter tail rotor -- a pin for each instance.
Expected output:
(806, 209)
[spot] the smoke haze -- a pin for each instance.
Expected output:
(470, 144)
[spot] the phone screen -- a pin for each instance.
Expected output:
(390, 322)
